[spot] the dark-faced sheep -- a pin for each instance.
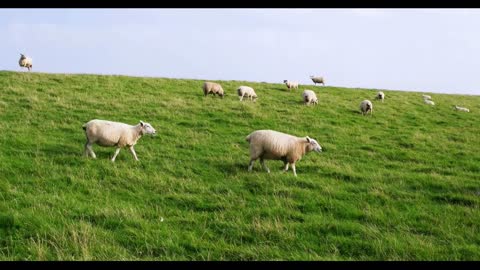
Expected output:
(366, 106)
(291, 85)
(25, 62)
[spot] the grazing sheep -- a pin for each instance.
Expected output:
(108, 133)
(380, 95)
(248, 92)
(291, 84)
(366, 106)
(429, 102)
(309, 97)
(317, 80)
(463, 109)
(426, 97)
(25, 62)
(212, 88)
(274, 145)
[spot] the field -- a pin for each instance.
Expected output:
(403, 184)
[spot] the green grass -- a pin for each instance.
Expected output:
(401, 185)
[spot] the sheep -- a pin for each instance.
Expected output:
(291, 84)
(380, 95)
(274, 145)
(108, 133)
(463, 109)
(309, 97)
(25, 62)
(317, 80)
(212, 88)
(246, 91)
(429, 102)
(366, 106)
(426, 97)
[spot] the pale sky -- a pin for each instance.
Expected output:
(426, 50)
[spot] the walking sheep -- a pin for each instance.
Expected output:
(309, 97)
(25, 62)
(274, 145)
(380, 95)
(290, 84)
(366, 106)
(463, 109)
(317, 80)
(212, 88)
(248, 92)
(108, 133)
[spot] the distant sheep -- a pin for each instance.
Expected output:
(366, 106)
(246, 91)
(108, 133)
(274, 145)
(291, 84)
(212, 88)
(426, 97)
(429, 102)
(25, 62)
(463, 109)
(309, 97)
(380, 95)
(317, 80)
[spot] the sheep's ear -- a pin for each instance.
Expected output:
(308, 139)
(141, 123)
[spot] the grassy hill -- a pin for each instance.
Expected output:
(401, 185)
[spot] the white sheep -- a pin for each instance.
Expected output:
(426, 97)
(291, 84)
(429, 102)
(463, 109)
(309, 97)
(108, 133)
(380, 95)
(317, 80)
(246, 91)
(274, 145)
(366, 106)
(213, 88)
(25, 62)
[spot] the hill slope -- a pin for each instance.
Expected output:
(401, 185)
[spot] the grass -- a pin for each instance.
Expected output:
(401, 185)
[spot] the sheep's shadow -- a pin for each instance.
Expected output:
(63, 150)
(283, 89)
(233, 168)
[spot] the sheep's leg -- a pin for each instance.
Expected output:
(133, 152)
(116, 154)
(241, 98)
(286, 167)
(294, 170)
(262, 161)
(250, 166)
(89, 150)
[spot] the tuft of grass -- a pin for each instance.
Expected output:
(403, 184)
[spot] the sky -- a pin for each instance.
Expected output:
(425, 50)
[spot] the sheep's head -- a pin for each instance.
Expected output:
(285, 81)
(313, 145)
(147, 128)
